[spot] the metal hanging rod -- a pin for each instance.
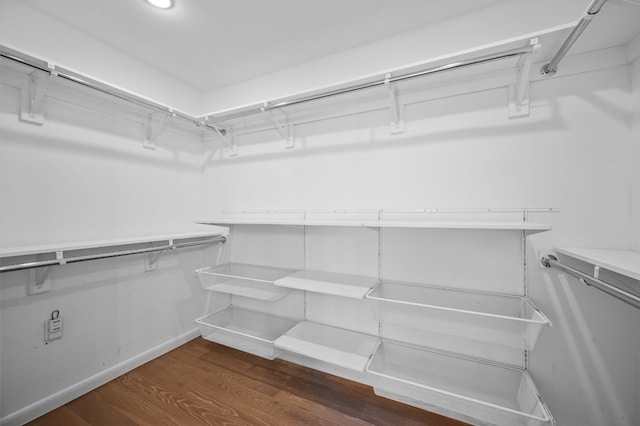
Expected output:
(629, 298)
(63, 261)
(268, 106)
(552, 67)
(41, 65)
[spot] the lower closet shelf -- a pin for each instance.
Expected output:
(337, 346)
(248, 331)
(491, 394)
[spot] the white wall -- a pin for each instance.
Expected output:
(84, 175)
(464, 152)
(66, 47)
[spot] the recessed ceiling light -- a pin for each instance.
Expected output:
(162, 4)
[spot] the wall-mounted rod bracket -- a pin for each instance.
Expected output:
(156, 124)
(285, 130)
(397, 112)
(39, 280)
(32, 96)
(519, 91)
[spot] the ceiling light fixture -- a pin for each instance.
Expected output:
(162, 4)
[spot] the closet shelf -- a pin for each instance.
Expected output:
(337, 346)
(344, 285)
(615, 272)
(505, 320)
(623, 262)
(489, 393)
(251, 281)
(246, 330)
(94, 244)
(532, 227)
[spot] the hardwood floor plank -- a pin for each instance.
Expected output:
(203, 383)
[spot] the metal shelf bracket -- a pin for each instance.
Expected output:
(519, 91)
(397, 112)
(285, 131)
(39, 280)
(156, 124)
(32, 96)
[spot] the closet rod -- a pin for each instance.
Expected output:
(68, 75)
(43, 263)
(552, 67)
(268, 106)
(618, 293)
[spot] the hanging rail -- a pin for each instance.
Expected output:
(69, 75)
(552, 67)
(268, 106)
(552, 261)
(63, 261)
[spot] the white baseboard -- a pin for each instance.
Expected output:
(60, 398)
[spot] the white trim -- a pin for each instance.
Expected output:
(72, 392)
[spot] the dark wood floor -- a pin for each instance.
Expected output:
(205, 383)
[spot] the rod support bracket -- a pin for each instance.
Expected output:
(397, 112)
(285, 130)
(32, 96)
(39, 280)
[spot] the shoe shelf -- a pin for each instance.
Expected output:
(499, 319)
(251, 281)
(352, 286)
(480, 391)
(345, 348)
(246, 330)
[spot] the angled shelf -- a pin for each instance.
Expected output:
(490, 393)
(345, 348)
(246, 330)
(344, 285)
(505, 320)
(251, 281)
(531, 227)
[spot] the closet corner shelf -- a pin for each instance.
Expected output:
(623, 262)
(245, 330)
(491, 393)
(531, 227)
(352, 286)
(505, 320)
(345, 348)
(251, 281)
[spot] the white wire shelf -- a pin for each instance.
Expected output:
(352, 286)
(251, 281)
(512, 321)
(486, 393)
(345, 348)
(245, 330)
(623, 262)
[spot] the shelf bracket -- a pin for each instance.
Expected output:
(285, 131)
(39, 280)
(397, 112)
(32, 96)
(156, 124)
(519, 91)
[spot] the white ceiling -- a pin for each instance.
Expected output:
(209, 44)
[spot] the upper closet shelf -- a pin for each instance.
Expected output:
(623, 262)
(615, 272)
(92, 244)
(428, 224)
(344, 285)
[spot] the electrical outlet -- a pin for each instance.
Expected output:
(53, 327)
